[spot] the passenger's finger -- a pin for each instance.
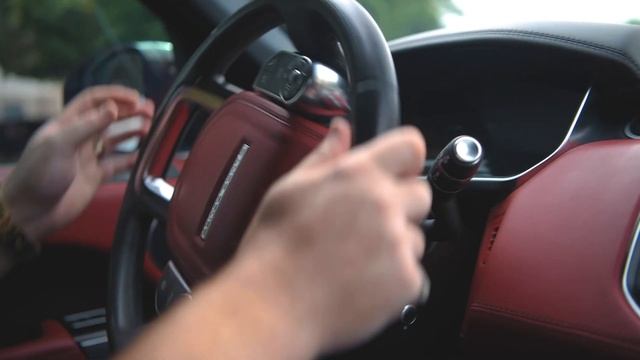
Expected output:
(88, 124)
(95, 96)
(144, 108)
(416, 197)
(115, 164)
(110, 143)
(400, 152)
(336, 142)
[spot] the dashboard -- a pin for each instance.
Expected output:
(526, 102)
(521, 102)
(555, 108)
(520, 106)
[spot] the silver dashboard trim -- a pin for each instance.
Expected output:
(630, 134)
(575, 121)
(92, 339)
(627, 268)
(223, 190)
(159, 187)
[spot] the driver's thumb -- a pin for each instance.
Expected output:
(336, 142)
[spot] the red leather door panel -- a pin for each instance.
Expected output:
(55, 343)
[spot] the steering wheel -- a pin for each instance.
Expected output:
(243, 147)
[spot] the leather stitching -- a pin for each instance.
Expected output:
(597, 47)
(613, 338)
(571, 40)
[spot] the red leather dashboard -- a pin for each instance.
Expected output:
(548, 278)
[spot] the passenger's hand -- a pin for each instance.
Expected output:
(336, 244)
(70, 156)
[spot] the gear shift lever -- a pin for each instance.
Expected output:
(452, 170)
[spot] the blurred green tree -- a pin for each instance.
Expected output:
(49, 38)
(403, 17)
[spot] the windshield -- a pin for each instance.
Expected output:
(400, 18)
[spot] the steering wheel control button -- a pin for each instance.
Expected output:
(456, 164)
(171, 288)
(283, 77)
(310, 88)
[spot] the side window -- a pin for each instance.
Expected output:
(41, 42)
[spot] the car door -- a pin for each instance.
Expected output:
(53, 307)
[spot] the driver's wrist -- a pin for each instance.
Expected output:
(268, 307)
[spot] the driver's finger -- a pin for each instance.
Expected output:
(416, 197)
(88, 124)
(336, 142)
(400, 152)
(416, 237)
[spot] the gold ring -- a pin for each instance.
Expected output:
(98, 147)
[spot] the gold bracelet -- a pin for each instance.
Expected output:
(14, 244)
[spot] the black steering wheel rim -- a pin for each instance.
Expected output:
(374, 104)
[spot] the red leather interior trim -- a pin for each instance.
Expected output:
(96, 226)
(179, 115)
(55, 343)
(178, 162)
(276, 143)
(549, 273)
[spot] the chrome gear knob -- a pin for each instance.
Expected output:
(456, 164)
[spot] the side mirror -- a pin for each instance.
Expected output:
(147, 66)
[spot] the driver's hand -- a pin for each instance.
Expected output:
(336, 242)
(69, 157)
(333, 253)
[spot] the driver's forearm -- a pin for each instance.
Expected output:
(230, 317)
